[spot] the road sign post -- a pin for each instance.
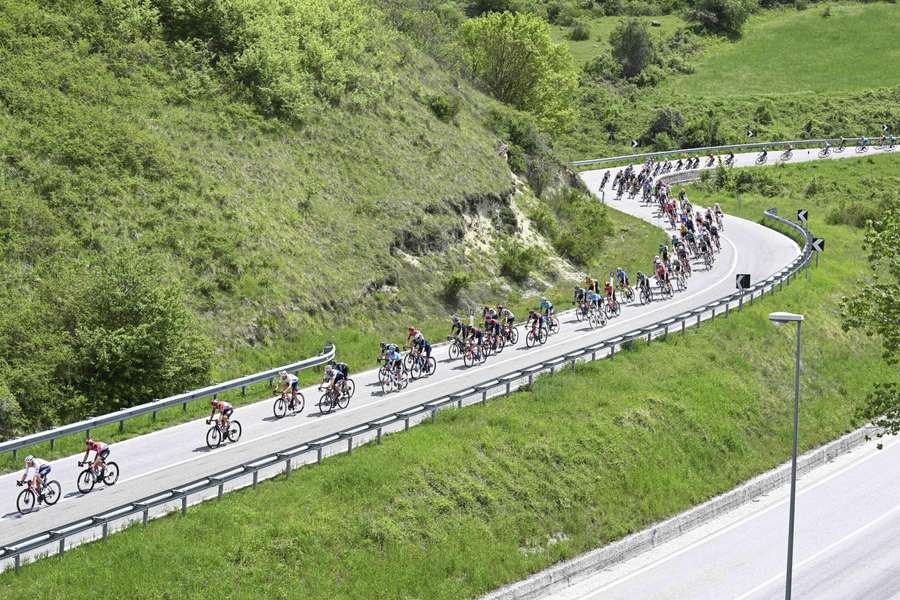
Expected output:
(818, 245)
(742, 282)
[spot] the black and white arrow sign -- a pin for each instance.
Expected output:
(884, 127)
(634, 143)
(803, 215)
(750, 133)
(818, 244)
(742, 281)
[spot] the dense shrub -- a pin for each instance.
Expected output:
(456, 283)
(632, 46)
(721, 16)
(518, 261)
(584, 226)
(290, 54)
(580, 32)
(444, 108)
(603, 67)
(545, 222)
(666, 121)
(855, 214)
(513, 56)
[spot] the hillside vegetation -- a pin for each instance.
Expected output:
(490, 494)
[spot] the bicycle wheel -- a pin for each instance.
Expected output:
(430, 366)
(383, 375)
(213, 437)
(554, 325)
(110, 473)
(469, 358)
(234, 431)
(408, 361)
(543, 335)
(52, 492)
(501, 343)
(530, 339)
(26, 501)
(279, 409)
(645, 296)
(514, 335)
(416, 372)
(325, 404)
(617, 308)
(629, 294)
(85, 481)
(454, 351)
(344, 399)
(350, 388)
(299, 403)
(823, 153)
(402, 382)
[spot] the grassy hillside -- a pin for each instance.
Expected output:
(491, 494)
(792, 73)
(286, 193)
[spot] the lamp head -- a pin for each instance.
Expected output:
(780, 318)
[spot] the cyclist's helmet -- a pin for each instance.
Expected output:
(455, 320)
(213, 402)
(500, 307)
(656, 258)
(28, 459)
(283, 375)
(411, 329)
(89, 441)
(543, 300)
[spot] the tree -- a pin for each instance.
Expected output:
(514, 58)
(632, 46)
(721, 16)
(875, 309)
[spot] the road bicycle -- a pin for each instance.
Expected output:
(786, 155)
(708, 259)
(862, 148)
(285, 404)
(28, 499)
(646, 294)
(537, 336)
(680, 280)
(87, 479)
(333, 398)
(511, 333)
(474, 354)
(457, 346)
(762, 157)
(423, 366)
(626, 292)
(392, 378)
(825, 152)
(596, 317)
(553, 324)
(219, 434)
(665, 288)
(612, 308)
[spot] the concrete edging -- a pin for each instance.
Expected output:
(564, 573)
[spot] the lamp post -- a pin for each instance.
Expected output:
(780, 318)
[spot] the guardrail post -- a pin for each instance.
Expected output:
(406, 424)
(153, 416)
(184, 407)
(62, 546)
(52, 443)
(147, 514)
(612, 352)
(727, 305)
(184, 505)
(698, 320)
(319, 455)
(122, 426)
(682, 325)
(287, 464)
(18, 563)
(105, 531)
(255, 478)
(378, 438)
(244, 391)
(574, 361)
(433, 415)
(221, 489)
(649, 336)
(349, 444)
(484, 395)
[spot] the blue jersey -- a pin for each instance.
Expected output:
(547, 304)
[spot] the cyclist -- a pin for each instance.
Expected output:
(492, 326)
(393, 359)
(476, 335)
(535, 319)
(506, 315)
(547, 307)
(661, 273)
(456, 327)
(763, 155)
(101, 453)
(418, 340)
(643, 282)
(225, 411)
(842, 144)
(487, 312)
(827, 146)
(610, 291)
(622, 276)
(714, 235)
(892, 140)
(864, 142)
(683, 258)
(336, 374)
(39, 469)
(288, 382)
(664, 252)
(788, 148)
(590, 283)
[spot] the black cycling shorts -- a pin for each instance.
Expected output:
(228, 412)
(104, 454)
(44, 470)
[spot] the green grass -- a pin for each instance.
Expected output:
(583, 51)
(801, 52)
(490, 494)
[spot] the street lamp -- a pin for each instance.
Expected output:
(780, 318)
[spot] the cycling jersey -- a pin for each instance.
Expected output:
(341, 368)
(393, 355)
(291, 380)
(38, 466)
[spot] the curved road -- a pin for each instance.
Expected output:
(158, 461)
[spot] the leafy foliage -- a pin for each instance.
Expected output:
(722, 16)
(518, 260)
(514, 58)
(632, 47)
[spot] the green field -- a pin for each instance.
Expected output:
(801, 52)
(601, 28)
(490, 494)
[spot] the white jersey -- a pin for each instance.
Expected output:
(37, 463)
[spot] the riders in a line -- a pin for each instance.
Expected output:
(336, 374)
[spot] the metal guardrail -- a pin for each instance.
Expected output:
(715, 149)
(374, 429)
(156, 405)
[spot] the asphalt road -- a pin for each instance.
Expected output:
(157, 461)
(848, 523)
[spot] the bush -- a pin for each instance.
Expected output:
(515, 59)
(584, 226)
(666, 120)
(632, 46)
(827, 12)
(603, 68)
(721, 16)
(457, 282)
(855, 214)
(704, 131)
(444, 108)
(580, 32)
(545, 222)
(518, 261)
(650, 76)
